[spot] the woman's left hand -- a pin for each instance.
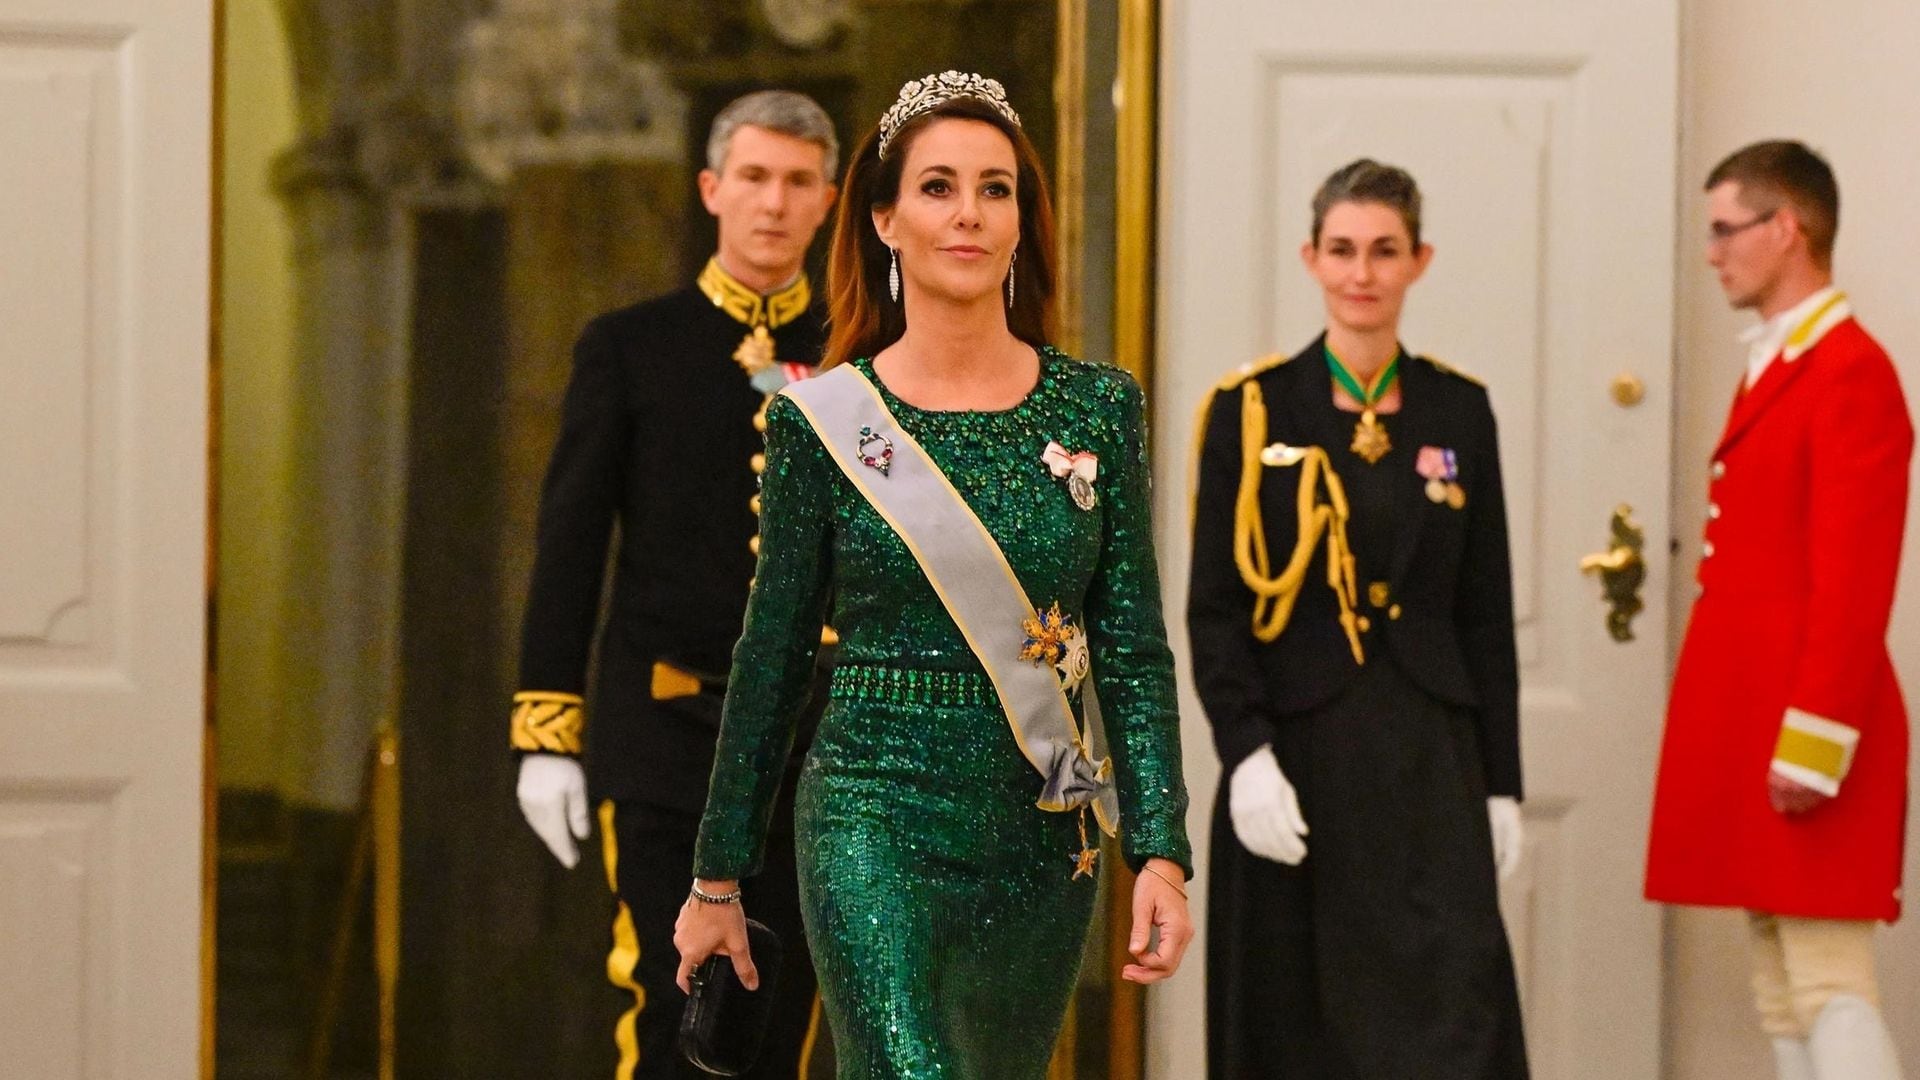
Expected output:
(1158, 903)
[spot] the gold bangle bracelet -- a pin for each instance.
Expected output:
(1165, 878)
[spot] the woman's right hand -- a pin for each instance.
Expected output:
(704, 929)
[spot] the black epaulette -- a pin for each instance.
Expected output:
(1250, 369)
(1445, 368)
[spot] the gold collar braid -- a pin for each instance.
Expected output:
(1274, 596)
(773, 311)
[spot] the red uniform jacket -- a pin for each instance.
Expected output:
(1785, 663)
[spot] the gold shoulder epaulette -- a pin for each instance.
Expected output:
(1445, 368)
(1251, 368)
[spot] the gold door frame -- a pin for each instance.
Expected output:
(1135, 221)
(1136, 131)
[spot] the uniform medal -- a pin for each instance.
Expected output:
(755, 354)
(1441, 468)
(1370, 439)
(762, 315)
(1079, 470)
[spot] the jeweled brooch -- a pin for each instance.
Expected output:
(876, 450)
(1052, 638)
(1079, 469)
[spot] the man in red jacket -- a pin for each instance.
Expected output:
(1783, 775)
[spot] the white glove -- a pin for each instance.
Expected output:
(1509, 835)
(1265, 811)
(553, 797)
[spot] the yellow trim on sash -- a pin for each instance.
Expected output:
(546, 722)
(1810, 751)
(625, 954)
(1000, 557)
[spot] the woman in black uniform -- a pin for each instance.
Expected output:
(1351, 617)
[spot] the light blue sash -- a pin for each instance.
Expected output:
(971, 575)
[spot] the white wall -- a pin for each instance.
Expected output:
(1840, 76)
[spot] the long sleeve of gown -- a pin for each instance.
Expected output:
(1132, 664)
(774, 660)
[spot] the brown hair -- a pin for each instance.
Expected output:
(1368, 181)
(862, 318)
(1781, 170)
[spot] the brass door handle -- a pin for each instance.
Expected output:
(1622, 570)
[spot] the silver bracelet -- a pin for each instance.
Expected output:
(709, 898)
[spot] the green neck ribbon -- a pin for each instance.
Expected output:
(1367, 396)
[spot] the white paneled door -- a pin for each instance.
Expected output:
(105, 110)
(1543, 135)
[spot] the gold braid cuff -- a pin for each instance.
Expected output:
(547, 722)
(1274, 596)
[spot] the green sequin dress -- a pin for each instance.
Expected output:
(945, 922)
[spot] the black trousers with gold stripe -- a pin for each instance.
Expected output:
(649, 857)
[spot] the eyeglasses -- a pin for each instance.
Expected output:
(1722, 231)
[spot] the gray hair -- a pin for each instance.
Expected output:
(1368, 181)
(783, 111)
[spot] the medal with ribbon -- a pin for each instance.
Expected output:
(1079, 470)
(1369, 435)
(1441, 468)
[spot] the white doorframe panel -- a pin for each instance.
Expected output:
(105, 117)
(1543, 137)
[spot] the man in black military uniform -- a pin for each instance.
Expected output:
(661, 435)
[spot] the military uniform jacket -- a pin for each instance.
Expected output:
(658, 438)
(1442, 611)
(1785, 663)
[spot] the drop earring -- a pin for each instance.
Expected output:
(1010, 262)
(893, 275)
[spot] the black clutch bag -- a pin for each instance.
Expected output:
(724, 1022)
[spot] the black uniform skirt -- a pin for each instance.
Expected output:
(1383, 955)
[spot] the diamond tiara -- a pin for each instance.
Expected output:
(932, 91)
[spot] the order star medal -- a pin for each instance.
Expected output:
(1370, 438)
(755, 353)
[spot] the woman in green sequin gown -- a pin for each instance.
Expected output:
(942, 907)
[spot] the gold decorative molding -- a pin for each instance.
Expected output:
(546, 81)
(385, 786)
(1070, 171)
(1136, 129)
(1136, 133)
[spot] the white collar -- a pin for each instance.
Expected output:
(1805, 323)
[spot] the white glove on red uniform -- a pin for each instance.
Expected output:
(553, 798)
